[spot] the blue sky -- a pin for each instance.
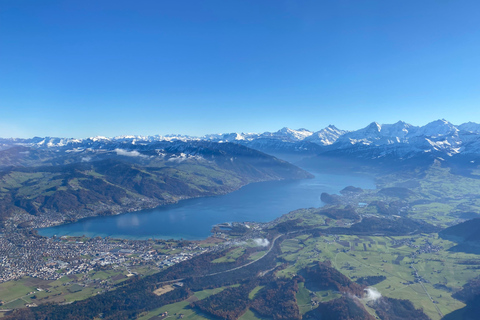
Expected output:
(86, 68)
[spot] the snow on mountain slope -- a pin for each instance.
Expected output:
(326, 136)
(376, 134)
(403, 139)
(436, 128)
(469, 127)
(375, 140)
(287, 134)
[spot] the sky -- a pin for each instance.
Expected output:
(109, 68)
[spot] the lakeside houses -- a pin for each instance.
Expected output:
(24, 253)
(52, 258)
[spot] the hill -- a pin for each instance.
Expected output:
(466, 234)
(53, 186)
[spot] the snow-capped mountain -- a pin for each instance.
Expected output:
(326, 136)
(284, 134)
(469, 127)
(287, 134)
(400, 139)
(404, 140)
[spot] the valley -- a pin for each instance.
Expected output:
(239, 160)
(404, 244)
(401, 263)
(60, 187)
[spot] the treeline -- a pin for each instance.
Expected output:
(277, 300)
(397, 309)
(466, 231)
(469, 291)
(129, 299)
(199, 266)
(332, 199)
(136, 294)
(288, 225)
(323, 276)
(340, 213)
(391, 227)
(387, 208)
(269, 262)
(120, 304)
(230, 304)
(344, 308)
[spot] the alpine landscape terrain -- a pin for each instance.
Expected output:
(406, 249)
(239, 160)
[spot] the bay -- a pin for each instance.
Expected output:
(193, 219)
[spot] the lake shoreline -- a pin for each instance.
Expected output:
(175, 220)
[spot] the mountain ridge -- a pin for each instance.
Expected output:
(48, 186)
(402, 140)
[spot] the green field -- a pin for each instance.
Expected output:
(412, 265)
(303, 298)
(231, 256)
(183, 307)
(254, 292)
(66, 289)
(348, 255)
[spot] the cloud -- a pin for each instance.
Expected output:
(371, 294)
(86, 159)
(261, 242)
(134, 153)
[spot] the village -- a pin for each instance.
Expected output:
(28, 254)
(52, 258)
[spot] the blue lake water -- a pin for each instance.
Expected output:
(193, 218)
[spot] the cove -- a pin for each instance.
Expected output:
(192, 219)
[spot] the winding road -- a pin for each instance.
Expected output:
(233, 269)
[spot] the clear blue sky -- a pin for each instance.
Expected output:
(85, 68)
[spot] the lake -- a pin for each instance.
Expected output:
(193, 218)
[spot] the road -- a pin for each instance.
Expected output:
(425, 289)
(247, 264)
(233, 269)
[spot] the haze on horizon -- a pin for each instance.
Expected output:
(79, 69)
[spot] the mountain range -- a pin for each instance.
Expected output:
(48, 176)
(400, 140)
(439, 135)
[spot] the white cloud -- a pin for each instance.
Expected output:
(261, 242)
(134, 153)
(372, 294)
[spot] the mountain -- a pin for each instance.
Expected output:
(326, 136)
(55, 184)
(469, 127)
(466, 234)
(398, 141)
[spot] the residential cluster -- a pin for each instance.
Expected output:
(52, 258)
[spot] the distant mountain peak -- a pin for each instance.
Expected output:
(332, 127)
(374, 126)
(469, 127)
(326, 136)
(288, 133)
(376, 140)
